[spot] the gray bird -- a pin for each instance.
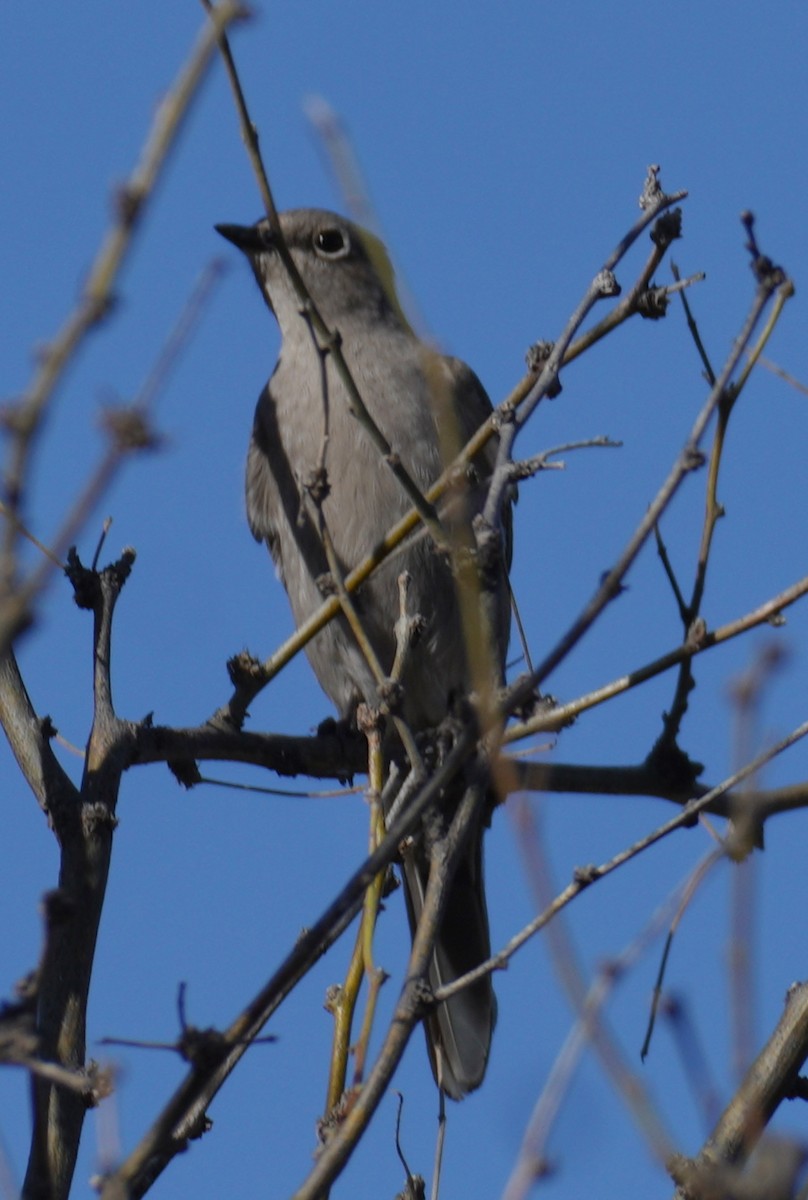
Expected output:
(422, 402)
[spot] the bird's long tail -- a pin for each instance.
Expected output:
(458, 1032)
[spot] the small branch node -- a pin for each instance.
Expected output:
(652, 194)
(95, 817)
(693, 459)
(317, 486)
(584, 876)
(667, 229)
(245, 669)
(128, 202)
(326, 584)
(697, 634)
(185, 771)
(605, 284)
(767, 273)
(391, 697)
(129, 430)
(368, 720)
(47, 727)
(536, 358)
(652, 304)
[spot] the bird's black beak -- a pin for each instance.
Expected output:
(248, 238)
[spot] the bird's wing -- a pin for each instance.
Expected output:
(261, 487)
(472, 408)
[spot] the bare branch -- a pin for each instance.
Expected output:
(29, 738)
(96, 301)
(586, 876)
(182, 1114)
(689, 460)
(771, 1079)
(408, 1011)
(556, 717)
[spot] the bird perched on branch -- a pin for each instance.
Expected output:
(316, 470)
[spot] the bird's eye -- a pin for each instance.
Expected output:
(331, 243)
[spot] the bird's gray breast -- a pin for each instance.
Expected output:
(303, 422)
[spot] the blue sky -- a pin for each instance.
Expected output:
(504, 149)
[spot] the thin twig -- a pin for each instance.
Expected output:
(769, 612)
(783, 374)
(334, 1156)
(588, 1002)
(589, 875)
(688, 460)
(181, 1115)
(690, 612)
(345, 996)
(97, 295)
(533, 1160)
(693, 883)
(128, 431)
(770, 1079)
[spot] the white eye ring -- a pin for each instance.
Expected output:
(331, 242)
